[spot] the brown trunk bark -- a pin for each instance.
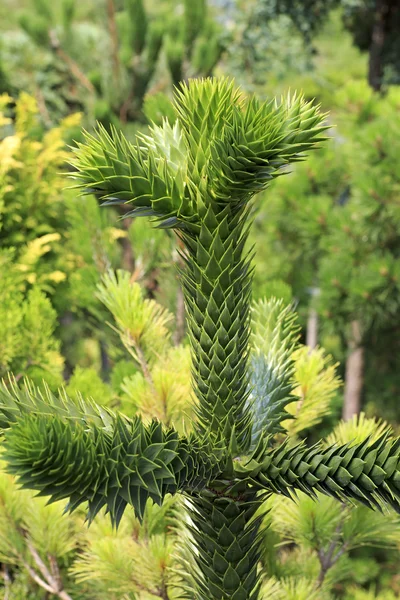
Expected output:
(379, 31)
(104, 361)
(354, 378)
(179, 333)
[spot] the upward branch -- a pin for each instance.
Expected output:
(199, 177)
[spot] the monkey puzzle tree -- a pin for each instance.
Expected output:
(199, 177)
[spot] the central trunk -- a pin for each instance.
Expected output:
(384, 15)
(227, 552)
(217, 288)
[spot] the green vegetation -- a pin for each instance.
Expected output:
(231, 462)
(104, 62)
(209, 410)
(373, 25)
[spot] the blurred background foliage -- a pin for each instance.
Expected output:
(89, 299)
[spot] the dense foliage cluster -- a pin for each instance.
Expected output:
(105, 63)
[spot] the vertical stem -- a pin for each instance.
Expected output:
(354, 378)
(226, 534)
(7, 581)
(328, 558)
(128, 257)
(312, 321)
(217, 286)
(180, 301)
(104, 360)
(140, 357)
(163, 590)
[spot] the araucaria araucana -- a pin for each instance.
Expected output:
(198, 177)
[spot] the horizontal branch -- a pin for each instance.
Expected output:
(125, 463)
(365, 472)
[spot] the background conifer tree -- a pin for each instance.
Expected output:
(373, 26)
(104, 60)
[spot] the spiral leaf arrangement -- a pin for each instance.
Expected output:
(199, 177)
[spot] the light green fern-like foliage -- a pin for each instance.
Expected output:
(198, 177)
(28, 347)
(37, 539)
(142, 323)
(290, 589)
(357, 429)
(160, 388)
(136, 561)
(315, 384)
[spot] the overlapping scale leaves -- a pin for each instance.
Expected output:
(226, 553)
(149, 174)
(204, 107)
(217, 287)
(126, 464)
(274, 337)
(364, 472)
(198, 176)
(238, 144)
(17, 402)
(262, 138)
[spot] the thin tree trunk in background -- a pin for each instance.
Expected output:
(379, 31)
(7, 581)
(312, 329)
(104, 361)
(179, 332)
(354, 378)
(312, 320)
(112, 27)
(128, 257)
(65, 322)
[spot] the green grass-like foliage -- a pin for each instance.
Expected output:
(199, 177)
